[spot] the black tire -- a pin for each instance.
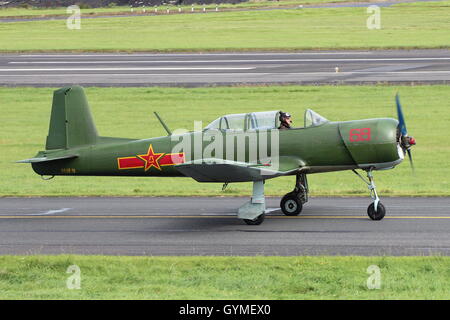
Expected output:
(255, 222)
(376, 215)
(291, 205)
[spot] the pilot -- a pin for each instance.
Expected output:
(285, 121)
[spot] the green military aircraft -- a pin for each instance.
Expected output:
(233, 148)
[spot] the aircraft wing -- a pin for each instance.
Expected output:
(219, 170)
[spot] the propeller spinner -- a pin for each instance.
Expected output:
(405, 141)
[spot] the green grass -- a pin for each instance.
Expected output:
(127, 112)
(60, 11)
(259, 278)
(413, 26)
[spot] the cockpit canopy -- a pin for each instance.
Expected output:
(313, 119)
(247, 121)
(265, 120)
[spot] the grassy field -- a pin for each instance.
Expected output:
(127, 112)
(58, 11)
(259, 278)
(412, 26)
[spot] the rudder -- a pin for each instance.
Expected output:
(71, 122)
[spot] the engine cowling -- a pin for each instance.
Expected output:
(372, 143)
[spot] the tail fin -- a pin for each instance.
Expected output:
(71, 122)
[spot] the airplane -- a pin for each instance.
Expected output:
(245, 147)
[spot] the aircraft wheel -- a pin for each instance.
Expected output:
(379, 214)
(291, 205)
(255, 222)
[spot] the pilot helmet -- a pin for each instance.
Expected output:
(284, 115)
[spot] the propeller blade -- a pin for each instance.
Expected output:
(401, 119)
(410, 159)
(406, 142)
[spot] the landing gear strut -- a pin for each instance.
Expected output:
(253, 212)
(292, 203)
(376, 210)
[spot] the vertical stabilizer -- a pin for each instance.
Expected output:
(71, 122)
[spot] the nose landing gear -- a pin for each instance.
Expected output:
(292, 203)
(376, 210)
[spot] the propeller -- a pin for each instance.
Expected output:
(406, 141)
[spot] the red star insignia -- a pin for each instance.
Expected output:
(150, 159)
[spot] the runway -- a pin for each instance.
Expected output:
(208, 226)
(200, 69)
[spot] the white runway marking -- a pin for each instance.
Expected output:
(217, 214)
(133, 69)
(376, 72)
(269, 210)
(49, 212)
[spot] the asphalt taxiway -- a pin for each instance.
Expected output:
(208, 226)
(199, 69)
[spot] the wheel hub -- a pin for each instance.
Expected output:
(291, 205)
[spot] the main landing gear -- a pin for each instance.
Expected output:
(376, 210)
(292, 203)
(253, 212)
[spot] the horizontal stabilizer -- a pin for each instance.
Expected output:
(46, 159)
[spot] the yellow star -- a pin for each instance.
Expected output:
(150, 159)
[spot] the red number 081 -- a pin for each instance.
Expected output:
(360, 134)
